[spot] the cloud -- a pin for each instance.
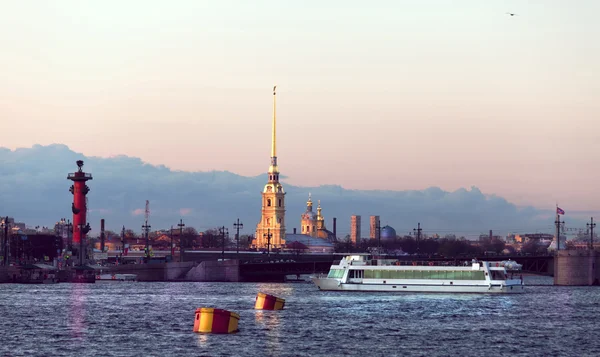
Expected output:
(185, 211)
(122, 184)
(138, 212)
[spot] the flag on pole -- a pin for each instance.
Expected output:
(559, 211)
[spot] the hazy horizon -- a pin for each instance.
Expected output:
(34, 190)
(389, 96)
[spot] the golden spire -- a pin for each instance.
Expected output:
(319, 210)
(273, 141)
(309, 202)
(273, 169)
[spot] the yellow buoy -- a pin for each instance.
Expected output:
(268, 302)
(211, 320)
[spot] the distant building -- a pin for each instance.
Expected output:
(271, 228)
(355, 229)
(374, 223)
(308, 243)
(308, 220)
(388, 234)
(314, 224)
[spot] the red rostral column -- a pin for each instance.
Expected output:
(79, 190)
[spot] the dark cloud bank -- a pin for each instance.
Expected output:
(34, 189)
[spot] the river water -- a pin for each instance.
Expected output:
(156, 319)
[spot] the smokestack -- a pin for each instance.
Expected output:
(294, 230)
(491, 234)
(335, 228)
(102, 235)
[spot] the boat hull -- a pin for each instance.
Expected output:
(115, 277)
(329, 284)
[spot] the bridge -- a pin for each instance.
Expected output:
(260, 266)
(276, 271)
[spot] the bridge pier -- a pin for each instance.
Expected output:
(576, 268)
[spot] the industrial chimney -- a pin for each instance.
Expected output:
(335, 228)
(102, 235)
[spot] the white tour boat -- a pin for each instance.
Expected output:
(357, 273)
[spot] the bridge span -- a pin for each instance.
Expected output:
(259, 266)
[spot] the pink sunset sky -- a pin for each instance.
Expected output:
(383, 95)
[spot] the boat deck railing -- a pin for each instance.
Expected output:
(433, 263)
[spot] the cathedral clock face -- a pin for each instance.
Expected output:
(269, 189)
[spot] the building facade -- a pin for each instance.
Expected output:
(374, 224)
(270, 231)
(313, 224)
(309, 219)
(355, 229)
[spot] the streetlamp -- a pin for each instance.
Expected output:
(224, 231)
(146, 228)
(172, 246)
(268, 235)
(181, 225)
(4, 226)
(237, 225)
(69, 227)
(418, 232)
(122, 245)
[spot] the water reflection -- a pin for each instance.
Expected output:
(202, 340)
(279, 290)
(77, 310)
(270, 326)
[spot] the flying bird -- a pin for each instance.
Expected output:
(511, 14)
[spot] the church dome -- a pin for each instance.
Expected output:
(309, 215)
(388, 233)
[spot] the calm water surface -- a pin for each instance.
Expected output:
(156, 319)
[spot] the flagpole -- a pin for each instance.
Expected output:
(557, 222)
(557, 229)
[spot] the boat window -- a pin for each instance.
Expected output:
(424, 274)
(336, 273)
(497, 275)
(356, 274)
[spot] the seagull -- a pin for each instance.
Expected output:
(511, 14)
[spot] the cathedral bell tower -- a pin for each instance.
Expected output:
(272, 224)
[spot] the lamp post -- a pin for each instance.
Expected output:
(591, 227)
(237, 225)
(223, 232)
(4, 226)
(69, 227)
(181, 225)
(418, 232)
(268, 235)
(146, 228)
(172, 246)
(122, 244)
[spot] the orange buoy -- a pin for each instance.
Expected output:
(211, 320)
(268, 302)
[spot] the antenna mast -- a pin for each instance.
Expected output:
(147, 211)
